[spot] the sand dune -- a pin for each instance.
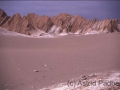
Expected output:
(34, 63)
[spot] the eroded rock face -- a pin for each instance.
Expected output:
(106, 26)
(27, 24)
(43, 23)
(79, 24)
(66, 23)
(3, 17)
(61, 22)
(16, 23)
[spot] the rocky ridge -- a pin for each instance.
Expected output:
(35, 25)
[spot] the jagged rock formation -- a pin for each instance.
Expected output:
(3, 17)
(33, 24)
(61, 22)
(43, 23)
(16, 23)
(30, 24)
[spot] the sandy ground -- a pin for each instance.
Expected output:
(96, 81)
(34, 63)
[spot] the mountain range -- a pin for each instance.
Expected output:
(63, 24)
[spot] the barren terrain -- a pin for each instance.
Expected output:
(33, 63)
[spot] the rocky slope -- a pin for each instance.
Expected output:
(33, 24)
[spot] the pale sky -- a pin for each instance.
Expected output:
(88, 9)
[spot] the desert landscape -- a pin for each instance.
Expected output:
(62, 52)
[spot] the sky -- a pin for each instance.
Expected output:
(87, 9)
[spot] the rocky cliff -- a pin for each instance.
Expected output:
(33, 24)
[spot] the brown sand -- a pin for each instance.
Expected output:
(56, 59)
